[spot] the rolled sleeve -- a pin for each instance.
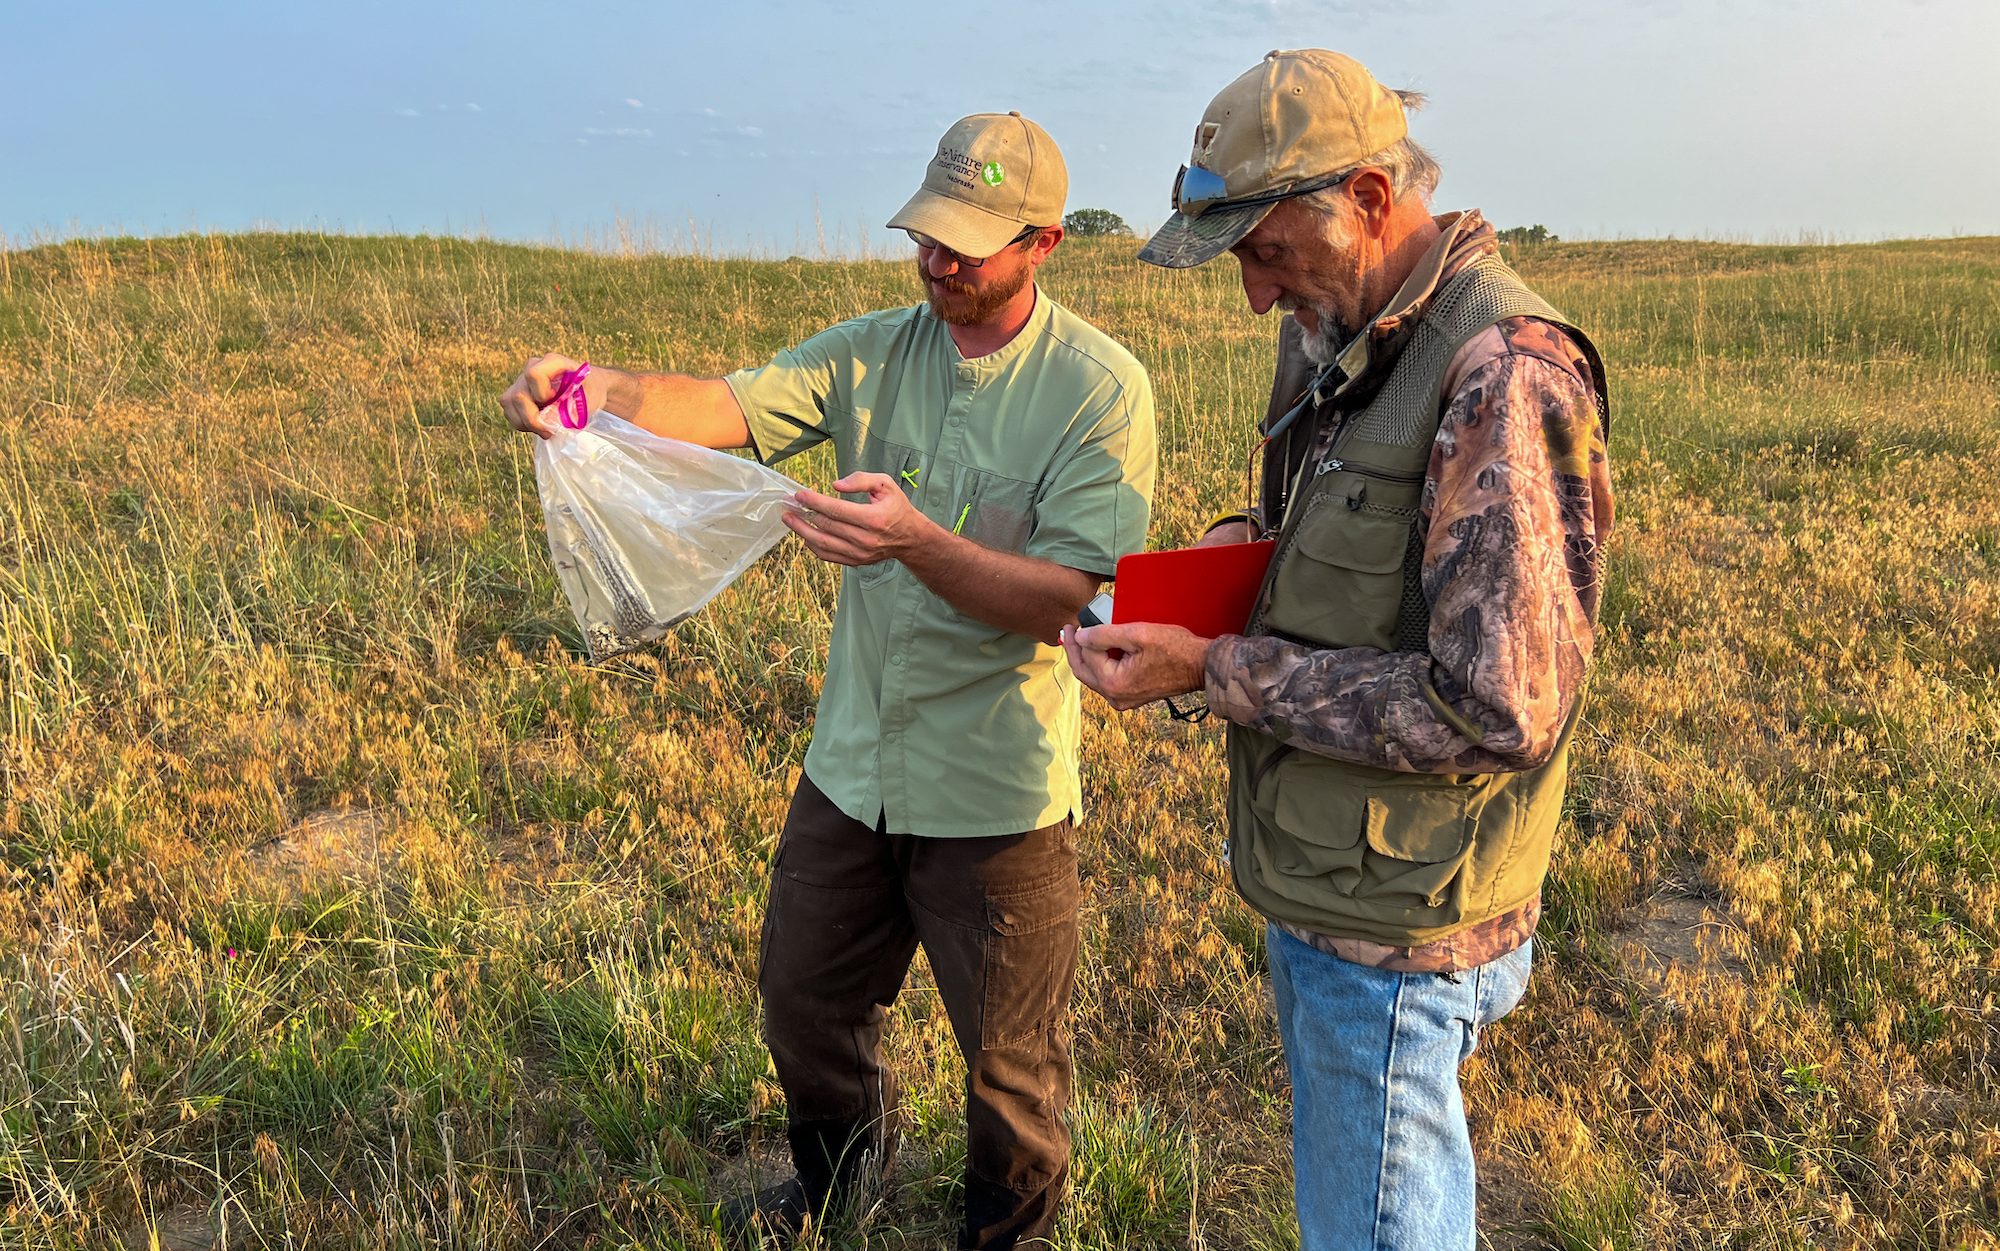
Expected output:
(1096, 506)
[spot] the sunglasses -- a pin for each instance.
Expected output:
(1197, 190)
(923, 240)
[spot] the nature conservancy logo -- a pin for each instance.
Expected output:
(965, 171)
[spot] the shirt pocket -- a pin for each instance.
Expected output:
(993, 510)
(907, 466)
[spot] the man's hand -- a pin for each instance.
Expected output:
(845, 533)
(1229, 532)
(526, 402)
(1135, 664)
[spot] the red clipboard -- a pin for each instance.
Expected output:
(1210, 590)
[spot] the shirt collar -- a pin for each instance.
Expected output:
(994, 361)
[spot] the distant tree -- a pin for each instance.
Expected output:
(1536, 233)
(1088, 222)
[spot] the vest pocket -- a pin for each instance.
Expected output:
(1343, 578)
(1322, 816)
(1420, 838)
(1396, 848)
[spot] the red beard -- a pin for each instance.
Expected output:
(961, 304)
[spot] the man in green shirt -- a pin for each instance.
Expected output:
(1000, 454)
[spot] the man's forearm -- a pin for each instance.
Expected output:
(1003, 589)
(1392, 710)
(675, 406)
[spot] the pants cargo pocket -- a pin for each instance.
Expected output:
(1029, 960)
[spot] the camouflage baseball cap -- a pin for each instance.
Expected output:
(993, 174)
(1281, 129)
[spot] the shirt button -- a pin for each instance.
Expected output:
(899, 658)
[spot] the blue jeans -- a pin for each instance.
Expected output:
(1379, 1146)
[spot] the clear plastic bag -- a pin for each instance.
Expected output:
(645, 530)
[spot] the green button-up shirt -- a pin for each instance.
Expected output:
(941, 724)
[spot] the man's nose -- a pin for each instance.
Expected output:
(1260, 291)
(942, 263)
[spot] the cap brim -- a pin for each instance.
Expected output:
(1185, 242)
(964, 229)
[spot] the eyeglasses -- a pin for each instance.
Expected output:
(923, 240)
(1197, 190)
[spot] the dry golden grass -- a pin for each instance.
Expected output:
(344, 906)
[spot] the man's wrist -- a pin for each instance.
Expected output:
(1216, 661)
(1201, 667)
(624, 395)
(922, 545)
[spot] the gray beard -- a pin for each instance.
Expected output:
(1324, 346)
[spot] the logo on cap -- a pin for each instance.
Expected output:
(992, 174)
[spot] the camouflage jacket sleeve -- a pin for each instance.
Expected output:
(1518, 505)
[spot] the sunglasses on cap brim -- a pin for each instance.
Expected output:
(1197, 190)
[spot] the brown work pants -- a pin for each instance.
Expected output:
(998, 917)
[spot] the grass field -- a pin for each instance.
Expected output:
(345, 906)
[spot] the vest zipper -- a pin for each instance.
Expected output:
(1334, 464)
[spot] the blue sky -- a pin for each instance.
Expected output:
(765, 127)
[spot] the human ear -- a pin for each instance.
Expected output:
(1045, 243)
(1374, 198)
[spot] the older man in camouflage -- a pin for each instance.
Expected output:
(1401, 702)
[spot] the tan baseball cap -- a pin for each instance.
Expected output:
(994, 173)
(1295, 119)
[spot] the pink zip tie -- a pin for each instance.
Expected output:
(570, 403)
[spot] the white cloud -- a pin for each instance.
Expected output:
(634, 104)
(711, 113)
(473, 108)
(620, 132)
(408, 113)
(750, 132)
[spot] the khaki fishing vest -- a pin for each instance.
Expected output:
(1346, 849)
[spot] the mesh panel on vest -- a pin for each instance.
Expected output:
(1487, 292)
(1397, 414)
(1487, 303)
(1413, 615)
